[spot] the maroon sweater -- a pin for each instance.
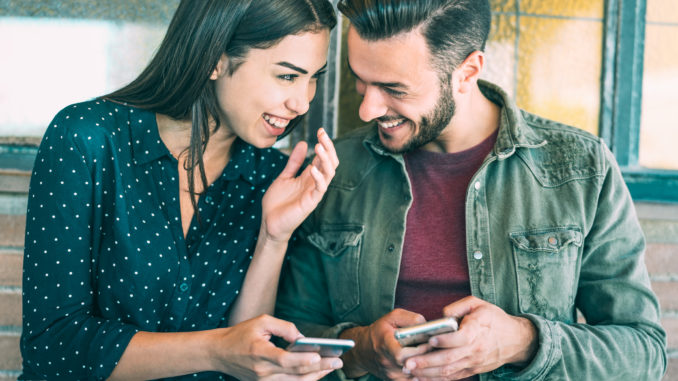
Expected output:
(434, 268)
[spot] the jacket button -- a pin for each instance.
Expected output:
(477, 255)
(391, 247)
(477, 185)
(553, 241)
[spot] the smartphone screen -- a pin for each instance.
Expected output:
(420, 333)
(325, 347)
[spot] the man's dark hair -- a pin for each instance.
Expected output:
(453, 29)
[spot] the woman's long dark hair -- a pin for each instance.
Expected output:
(177, 82)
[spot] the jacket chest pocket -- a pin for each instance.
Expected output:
(546, 270)
(340, 248)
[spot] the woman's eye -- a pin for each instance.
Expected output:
(288, 77)
(319, 74)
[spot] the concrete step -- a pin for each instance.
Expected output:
(10, 300)
(12, 231)
(10, 355)
(11, 262)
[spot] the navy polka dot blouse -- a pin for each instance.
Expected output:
(105, 254)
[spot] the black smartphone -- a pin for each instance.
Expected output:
(420, 333)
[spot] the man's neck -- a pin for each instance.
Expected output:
(474, 121)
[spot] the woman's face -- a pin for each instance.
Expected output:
(271, 87)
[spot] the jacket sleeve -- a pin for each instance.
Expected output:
(62, 337)
(622, 338)
(303, 296)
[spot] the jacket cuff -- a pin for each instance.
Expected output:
(548, 353)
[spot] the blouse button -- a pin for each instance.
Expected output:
(478, 255)
(183, 287)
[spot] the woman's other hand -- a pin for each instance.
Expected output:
(246, 352)
(290, 198)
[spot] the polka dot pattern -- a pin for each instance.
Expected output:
(105, 254)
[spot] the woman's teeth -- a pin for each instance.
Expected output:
(391, 124)
(276, 122)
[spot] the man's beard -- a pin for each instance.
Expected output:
(432, 123)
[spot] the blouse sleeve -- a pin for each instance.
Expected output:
(63, 337)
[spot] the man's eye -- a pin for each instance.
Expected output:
(394, 93)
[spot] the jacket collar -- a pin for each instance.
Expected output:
(514, 132)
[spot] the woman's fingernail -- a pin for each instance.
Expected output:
(406, 371)
(433, 341)
(336, 364)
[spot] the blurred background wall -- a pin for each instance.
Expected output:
(609, 67)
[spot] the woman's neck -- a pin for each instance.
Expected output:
(176, 135)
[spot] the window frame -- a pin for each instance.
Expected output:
(621, 100)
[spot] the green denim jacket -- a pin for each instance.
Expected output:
(551, 228)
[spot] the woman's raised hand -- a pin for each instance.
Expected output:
(246, 352)
(290, 198)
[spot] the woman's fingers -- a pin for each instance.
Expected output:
(327, 144)
(295, 160)
(321, 182)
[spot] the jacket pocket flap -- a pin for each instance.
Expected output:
(548, 240)
(333, 239)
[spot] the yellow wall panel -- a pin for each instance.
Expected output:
(570, 8)
(559, 70)
(659, 126)
(500, 53)
(503, 5)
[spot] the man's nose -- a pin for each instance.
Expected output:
(373, 105)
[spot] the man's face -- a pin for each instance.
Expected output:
(401, 90)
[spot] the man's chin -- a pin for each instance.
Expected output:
(395, 148)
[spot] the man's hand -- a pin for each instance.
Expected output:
(487, 338)
(377, 352)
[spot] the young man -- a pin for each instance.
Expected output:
(456, 203)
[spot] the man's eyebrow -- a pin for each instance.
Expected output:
(380, 84)
(293, 67)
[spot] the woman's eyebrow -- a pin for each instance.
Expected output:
(291, 66)
(297, 68)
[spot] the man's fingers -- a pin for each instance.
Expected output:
(462, 307)
(408, 352)
(438, 363)
(404, 318)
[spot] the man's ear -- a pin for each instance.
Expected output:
(468, 72)
(221, 69)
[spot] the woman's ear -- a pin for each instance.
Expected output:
(221, 69)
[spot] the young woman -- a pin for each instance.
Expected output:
(159, 216)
